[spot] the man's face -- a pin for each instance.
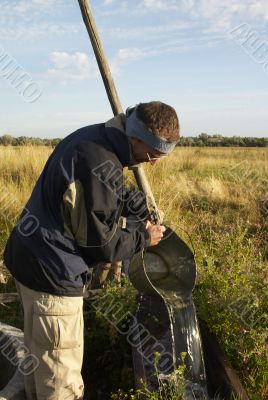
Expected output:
(142, 152)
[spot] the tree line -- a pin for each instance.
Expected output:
(222, 141)
(8, 140)
(199, 141)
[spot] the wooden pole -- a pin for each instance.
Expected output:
(100, 56)
(112, 94)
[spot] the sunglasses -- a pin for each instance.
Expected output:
(151, 159)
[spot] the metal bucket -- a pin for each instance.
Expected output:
(168, 267)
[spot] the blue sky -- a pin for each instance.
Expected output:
(187, 53)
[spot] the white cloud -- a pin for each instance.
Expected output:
(222, 15)
(207, 15)
(210, 9)
(78, 66)
(29, 19)
(127, 55)
(72, 67)
(32, 31)
(150, 32)
(218, 14)
(21, 7)
(161, 4)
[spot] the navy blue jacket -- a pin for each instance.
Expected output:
(72, 219)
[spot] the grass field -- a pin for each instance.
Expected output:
(217, 201)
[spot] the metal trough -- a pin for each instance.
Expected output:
(11, 357)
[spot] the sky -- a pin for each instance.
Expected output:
(206, 58)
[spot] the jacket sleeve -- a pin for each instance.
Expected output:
(92, 208)
(114, 243)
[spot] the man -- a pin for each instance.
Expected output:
(73, 220)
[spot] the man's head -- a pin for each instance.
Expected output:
(153, 130)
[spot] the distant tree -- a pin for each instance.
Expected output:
(6, 140)
(204, 137)
(54, 142)
(22, 140)
(215, 140)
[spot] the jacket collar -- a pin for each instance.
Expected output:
(118, 139)
(117, 122)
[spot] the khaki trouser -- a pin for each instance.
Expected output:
(53, 332)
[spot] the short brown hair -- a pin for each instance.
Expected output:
(160, 119)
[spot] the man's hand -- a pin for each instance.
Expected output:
(156, 232)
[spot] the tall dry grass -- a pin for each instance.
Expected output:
(19, 170)
(226, 176)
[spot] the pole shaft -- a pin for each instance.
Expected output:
(100, 57)
(113, 97)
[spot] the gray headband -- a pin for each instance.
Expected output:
(136, 128)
